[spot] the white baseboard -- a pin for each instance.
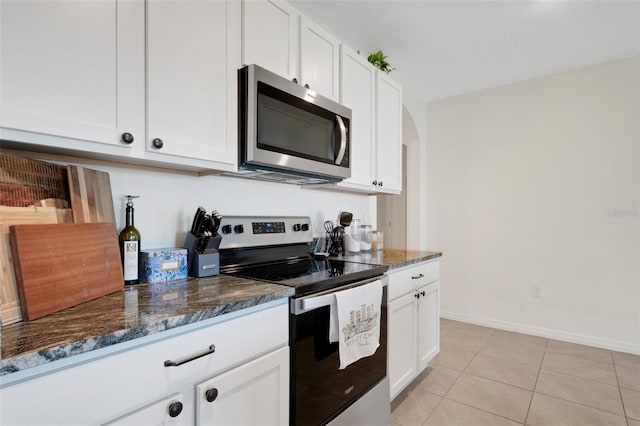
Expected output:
(549, 333)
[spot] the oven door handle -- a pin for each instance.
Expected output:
(317, 302)
(309, 303)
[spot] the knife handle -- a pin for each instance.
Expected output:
(197, 220)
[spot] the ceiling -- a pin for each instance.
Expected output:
(448, 47)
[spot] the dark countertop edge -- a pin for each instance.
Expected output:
(45, 356)
(392, 258)
(429, 255)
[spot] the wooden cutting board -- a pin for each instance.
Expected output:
(9, 288)
(59, 266)
(90, 193)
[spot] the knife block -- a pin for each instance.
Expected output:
(207, 263)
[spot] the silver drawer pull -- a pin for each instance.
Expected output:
(417, 277)
(188, 358)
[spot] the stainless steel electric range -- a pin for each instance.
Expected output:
(275, 249)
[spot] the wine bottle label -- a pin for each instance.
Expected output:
(130, 263)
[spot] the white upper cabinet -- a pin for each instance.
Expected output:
(319, 59)
(190, 76)
(277, 37)
(72, 74)
(388, 134)
(375, 101)
(357, 91)
(270, 36)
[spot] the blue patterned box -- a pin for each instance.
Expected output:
(162, 265)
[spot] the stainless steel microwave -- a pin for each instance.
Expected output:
(288, 132)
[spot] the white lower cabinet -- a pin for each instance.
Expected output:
(246, 359)
(166, 412)
(256, 393)
(414, 322)
(403, 341)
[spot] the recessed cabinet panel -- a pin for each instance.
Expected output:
(187, 80)
(428, 324)
(319, 59)
(270, 36)
(357, 79)
(72, 69)
(403, 337)
(256, 393)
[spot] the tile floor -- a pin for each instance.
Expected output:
(485, 376)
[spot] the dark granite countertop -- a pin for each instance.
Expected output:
(393, 258)
(136, 311)
(147, 309)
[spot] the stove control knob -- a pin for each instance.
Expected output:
(296, 227)
(238, 229)
(305, 227)
(226, 229)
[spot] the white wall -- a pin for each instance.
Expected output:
(538, 183)
(168, 200)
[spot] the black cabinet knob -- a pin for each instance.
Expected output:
(375, 183)
(417, 295)
(295, 80)
(306, 86)
(175, 408)
(422, 293)
(127, 138)
(380, 183)
(211, 394)
(157, 143)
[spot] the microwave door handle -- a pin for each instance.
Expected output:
(343, 140)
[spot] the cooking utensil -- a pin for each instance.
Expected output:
(345, 218)
(59, 266)
(206, 234)
(217, 219)
(90, 192)
(198, 218)
(328, 227)
(8, 287)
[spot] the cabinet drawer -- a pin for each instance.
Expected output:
(405, 280)
(137, 377)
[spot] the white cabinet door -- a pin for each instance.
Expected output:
(166, 412)
(428, 324)
(357, 91)
(255, 393)
(270, 36)
(72, 73)
(402, 356)
(189, 80)
(319, 59)
(388, 134)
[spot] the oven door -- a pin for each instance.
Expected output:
(319, 390)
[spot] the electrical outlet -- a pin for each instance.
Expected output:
(537, 291)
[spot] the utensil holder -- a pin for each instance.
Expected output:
(207, 263)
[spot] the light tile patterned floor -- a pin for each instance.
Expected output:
(485, 376)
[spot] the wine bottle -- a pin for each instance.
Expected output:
(130, 246)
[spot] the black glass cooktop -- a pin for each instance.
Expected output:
(309, 275)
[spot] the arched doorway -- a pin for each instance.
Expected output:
(398, 214)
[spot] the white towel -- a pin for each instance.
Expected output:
(354, 322)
